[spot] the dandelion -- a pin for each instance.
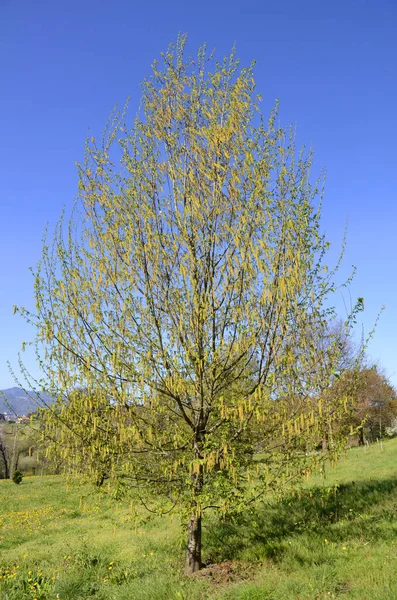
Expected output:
(344, 548)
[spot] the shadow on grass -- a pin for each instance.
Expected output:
(340, 512)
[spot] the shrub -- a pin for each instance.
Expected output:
(17, 477)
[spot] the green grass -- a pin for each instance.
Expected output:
(336, 539)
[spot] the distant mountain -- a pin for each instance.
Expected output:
(22, 402)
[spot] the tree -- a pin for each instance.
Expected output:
(344, 376)
(13, 445)
(5, 459)
(373, 401)
(178, 311)
(374, 404)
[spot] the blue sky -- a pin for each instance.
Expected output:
(333, 65)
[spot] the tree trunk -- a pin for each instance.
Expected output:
(193, 554)
(15, 455)
(330, 436)
(3, 454)
(362, 440)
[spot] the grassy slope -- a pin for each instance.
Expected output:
(329, 543)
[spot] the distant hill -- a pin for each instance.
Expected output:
(20, 401)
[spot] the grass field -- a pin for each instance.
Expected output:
(338, 540)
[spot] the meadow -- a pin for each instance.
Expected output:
(335, 539)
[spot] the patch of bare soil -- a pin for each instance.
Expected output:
(343, 588)
(226, 572)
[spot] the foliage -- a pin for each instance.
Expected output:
(391, 430)
(180, 312)
(17, 477)
(377, 401)
(18, 449)
(373, 402)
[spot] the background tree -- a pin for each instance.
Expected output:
(14, 445)
(374, 406)
(186, 297)
(5, 459)
(349, 361)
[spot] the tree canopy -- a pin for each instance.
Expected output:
(374, 403)
(181, 309)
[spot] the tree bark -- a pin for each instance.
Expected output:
(330, 436)
(15, 454)
(362, 440)
(3, 454)
(193, 554)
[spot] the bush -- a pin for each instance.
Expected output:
(17, 477)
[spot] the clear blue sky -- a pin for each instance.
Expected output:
(333, 65)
